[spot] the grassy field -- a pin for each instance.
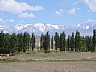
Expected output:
(51, 57)
(49, 62)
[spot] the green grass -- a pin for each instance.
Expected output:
(8, 60)
(50, 57)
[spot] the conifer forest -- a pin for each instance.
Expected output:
(22, 42)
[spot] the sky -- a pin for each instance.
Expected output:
(63, 12)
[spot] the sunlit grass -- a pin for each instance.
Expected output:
(50, 57)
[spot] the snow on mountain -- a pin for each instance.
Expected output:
(85, 25)
(41, 27)
(21, 26)
(53, 26)
(84, 28)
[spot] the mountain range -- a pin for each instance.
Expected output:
(39, 28)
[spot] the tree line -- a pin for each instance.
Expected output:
(22, 42)
(74, 42)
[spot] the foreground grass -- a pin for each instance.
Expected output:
(7, 60)
(50, 57)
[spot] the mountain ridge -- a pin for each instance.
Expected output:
(38, 28)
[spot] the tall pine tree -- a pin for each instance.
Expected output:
(26, 41)
(56, 39)
(68, 43)
(32, 42)
(46, 42)
(94, 40)
(88, 43)
(83, 44)
(77, 41)
(72, 42)
(1, 42)
(20, 41)
(52, 42)
(6, 43)
(62, 41)
(41, 41)
(13, 43)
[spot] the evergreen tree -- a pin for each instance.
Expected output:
(72, 42)
(68, 43)
(88, 43)
(41, 41)
(56, 39)
(13, 43)
(91, 44)
(20, 41)
(33, 41)
(1, 42)
(26, 41)
(83, 43)
(6, 44)
(62, 41)
(45, 45)
(46, 42)
(52, 42)
(77, 41)
(94, 40)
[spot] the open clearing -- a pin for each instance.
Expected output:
(56, 56)
(48, 67)
(87, 62)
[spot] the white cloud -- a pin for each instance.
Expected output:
(26, 15)
(15, 7)
(1, 20)
(75, 3)
(59, 13)
(90, 20)
(72, 11)
(8, 20)
(91, 4)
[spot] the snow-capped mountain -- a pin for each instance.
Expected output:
(85, 28)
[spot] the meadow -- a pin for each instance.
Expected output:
(49, 62)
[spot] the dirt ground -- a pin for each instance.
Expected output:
(88, 66)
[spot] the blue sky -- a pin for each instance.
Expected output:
(66, 12)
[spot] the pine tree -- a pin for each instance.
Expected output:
(13, 43)
(77, 41)
(94, 40)
(68, 43)
(41, 41)
(26, 41)
(48, 39)
(1, 41)
(20, 41)
(6, 43)
(45, 45)
(83, 43)
(52, 42)
(72, 42)
(46, 42)
(90, 40)
(89, 43)
(62, 41)
(33, 41)
(56, 39)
